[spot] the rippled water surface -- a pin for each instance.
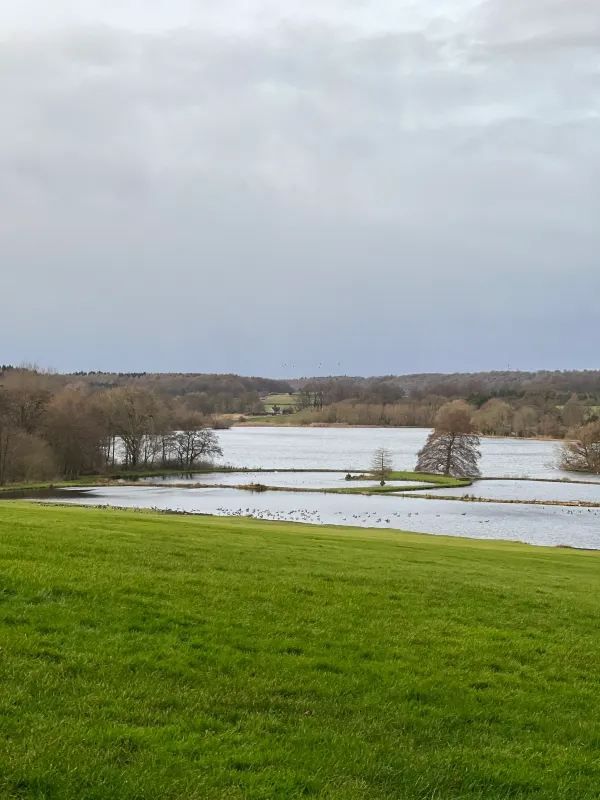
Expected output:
(352, 449)
(530, 490)
(542, 525)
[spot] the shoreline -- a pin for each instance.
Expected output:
(343, 528)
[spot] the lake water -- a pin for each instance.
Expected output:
(541, 525)
(352, 449)
(529, 490)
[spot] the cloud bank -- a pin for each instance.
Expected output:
(353, 187)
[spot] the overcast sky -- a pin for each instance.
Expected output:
(300, 188)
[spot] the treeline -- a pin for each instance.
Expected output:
(69, 425)
(206, 394)
(476, 387)
(504, 404)
(534, 415)
(53, 428)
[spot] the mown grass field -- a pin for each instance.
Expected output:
(153, 656)
(281, 400)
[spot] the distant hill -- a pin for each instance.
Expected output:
(464, 384)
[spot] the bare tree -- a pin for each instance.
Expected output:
(30, 394)
(31, 458)
(381, 464)
(8, 430)
(583, 453)
(495, 417)
(24, 455)
(453, 446)
(132, 415)
(74, 429)
(573, 412)
(305, 399)
(525, 421)
(194, 442)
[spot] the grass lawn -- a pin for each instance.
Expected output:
(153, 656)
(281, 400)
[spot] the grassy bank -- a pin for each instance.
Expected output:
(441, 481)
(145, 656)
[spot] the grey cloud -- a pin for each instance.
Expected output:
(540, 25)
(307, 175)
(200, 101)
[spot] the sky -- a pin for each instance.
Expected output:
(290, 189)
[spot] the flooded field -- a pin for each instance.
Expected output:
(542, 525)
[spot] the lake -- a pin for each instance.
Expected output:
(352, 449)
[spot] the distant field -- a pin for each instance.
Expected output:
(281, 400)
(152, 656)
(275, 420)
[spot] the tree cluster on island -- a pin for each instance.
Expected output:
(452, 448)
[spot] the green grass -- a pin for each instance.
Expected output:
(281, 400)
(270, 419)
(440, 480)
(434, 481)
(153, 656)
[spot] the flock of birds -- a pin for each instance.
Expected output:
(523, 521)
(306, 515)
(368, 518)
(371, 518)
